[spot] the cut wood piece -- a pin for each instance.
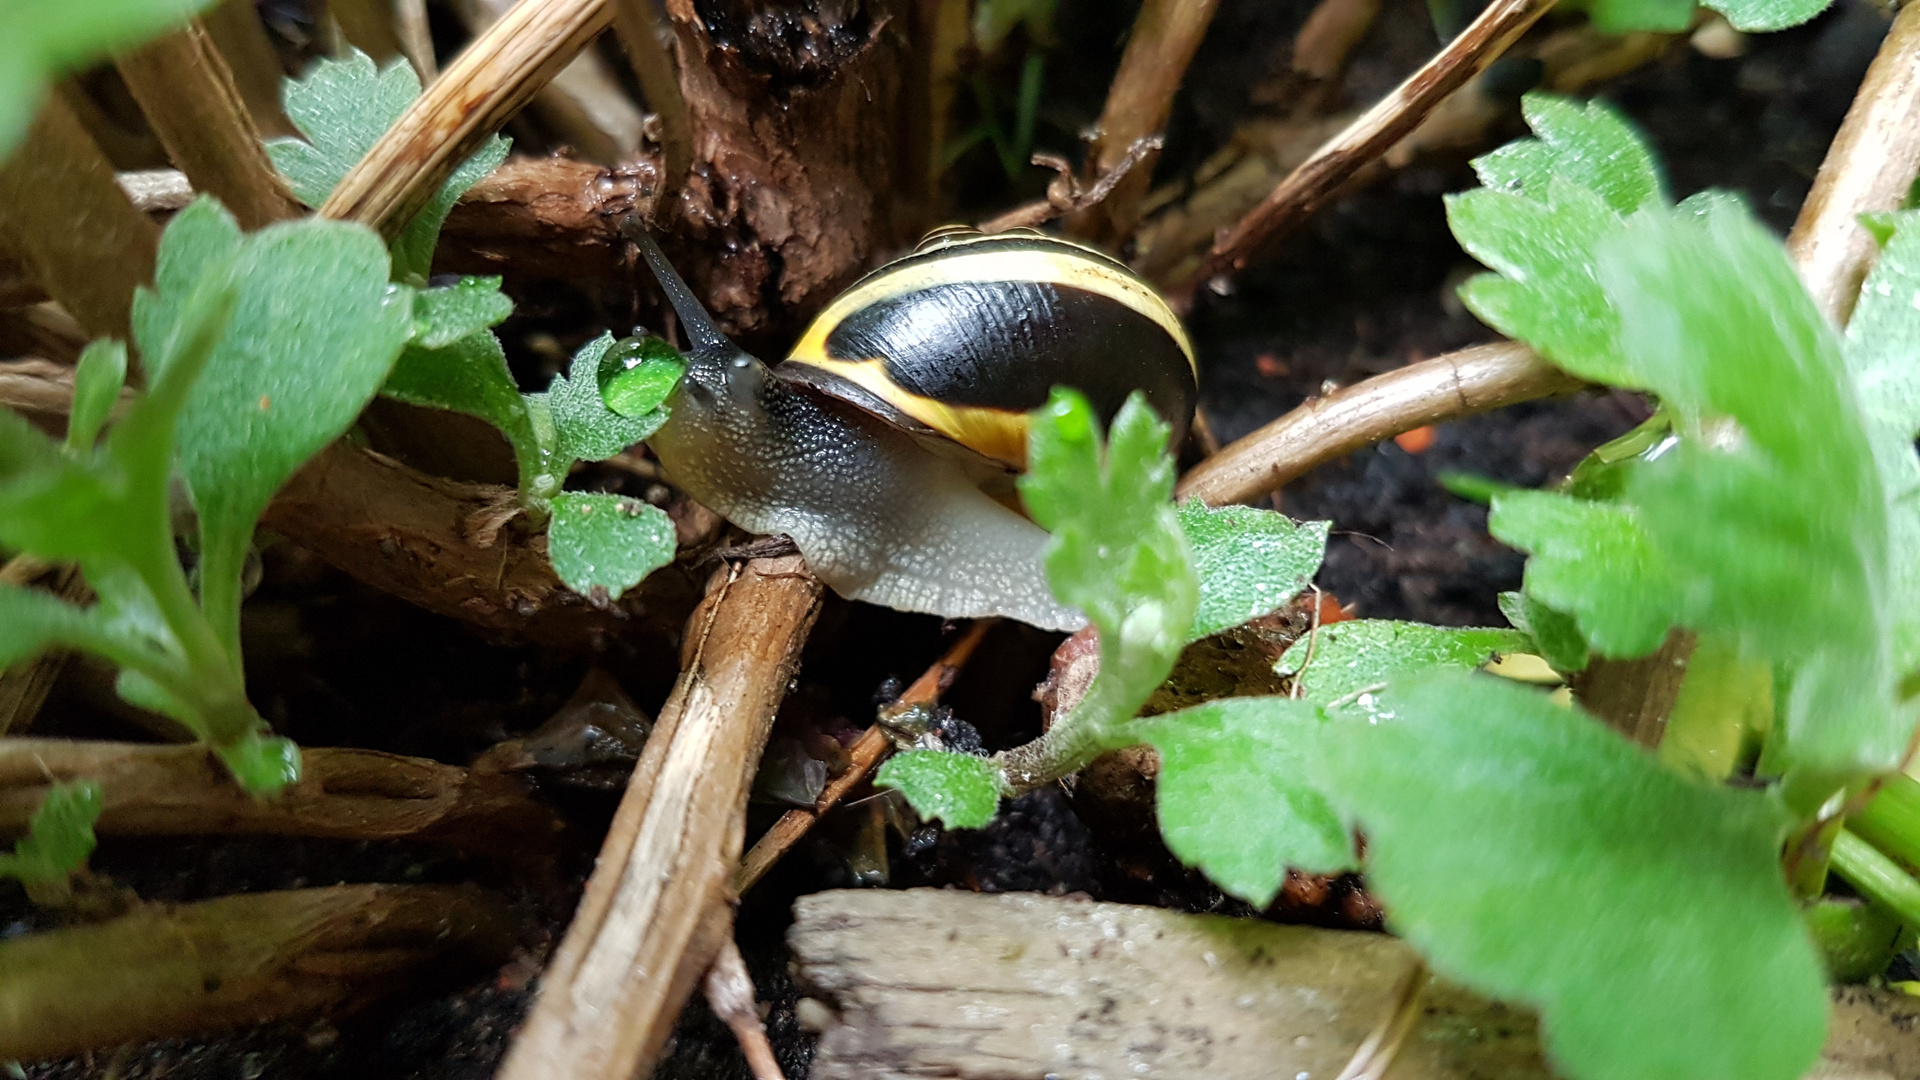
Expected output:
(977, 987)
(657, 908)
(174, 970)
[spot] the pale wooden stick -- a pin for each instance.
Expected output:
(1444, 388)
(190, 100)
(1165, 35)
(583, 103)
(1308, 187)
(489, 81)
(1869, 167)
(352, 794)
(872, 747)
(72, 225)
(645, 931)
(642, 34)
(729, 991)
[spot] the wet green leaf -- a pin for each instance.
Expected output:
(959, 789)
(1251, 562)
(1346, 664)
(444, 315)
(607, 543)
(586, 429)
(468, 376)
(1594, 561)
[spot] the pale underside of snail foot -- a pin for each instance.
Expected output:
(877, 516)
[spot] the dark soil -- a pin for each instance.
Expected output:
(1368, 287)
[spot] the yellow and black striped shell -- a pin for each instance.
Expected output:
(970, 331)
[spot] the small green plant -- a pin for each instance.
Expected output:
(41, 43)
(609, 399)
(1527, 850)
(258, 350)
(59, 839)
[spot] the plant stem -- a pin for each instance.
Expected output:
(1876, 876)
(1891, 821)
(1072, 742)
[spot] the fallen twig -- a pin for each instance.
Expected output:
(1869, 166)
(729, 991)
(646, 929)
(1373, 134)
(1165, 35)
(868, 751)
(236, 962)
(350, 794)
(487, 83)
(236, 28)
(72, 224)
(582, 104)
(641, 31)
(1444, 388)
(190, 100)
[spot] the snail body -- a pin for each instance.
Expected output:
(876, 444)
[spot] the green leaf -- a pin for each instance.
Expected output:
(607, 543)
(959, 789)
(42, 42)
(444, 315)
(1546, 205)
(32, 620)
(1594, 561)
(1535, 856)
(1882, 354)
(1771, 516)
(1556, 637)
(343, 107)
(315, 331)
(1232, 796)
(469, 376)
(587, 430)
(1251, 562)
(59, 834)
(1626, 16)
(97, 380)
(1588, 144)
(639, 374)
(1760, 16)
(1351, 661)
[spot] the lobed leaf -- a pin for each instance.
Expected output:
(59, 834)
(1766, 15)
(1626, 16)
(1346, 664)
(1532, 854)
(1250, 562)
(1556, 636)
(442, 316)
(314, 332)
(97, 381)
(1234, 798)
(959, 789)
(468, 375)
(585, 429)
(1594, 561)
(33, 620)
(1586, 144)
(607, 544)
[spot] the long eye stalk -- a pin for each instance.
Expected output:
(701, 331)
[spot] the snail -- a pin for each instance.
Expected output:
(885, 443)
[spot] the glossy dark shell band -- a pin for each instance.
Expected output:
(967, 334)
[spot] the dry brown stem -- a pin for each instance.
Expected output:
(583, 104)
(653, 917)
(1444, 388)
(729, 991)
(643, 36)
(1165, 35)
(351, 794)
(1869, 167)
(867, 752)
(489, 81)
(1308, 187)
(190, 100)
(177, 970)
(64, 215)
(235, 27)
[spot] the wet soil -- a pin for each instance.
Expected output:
(1366, 288)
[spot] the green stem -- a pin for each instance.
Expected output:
(1891, 822)
(1876, 876)
(1068, 746)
